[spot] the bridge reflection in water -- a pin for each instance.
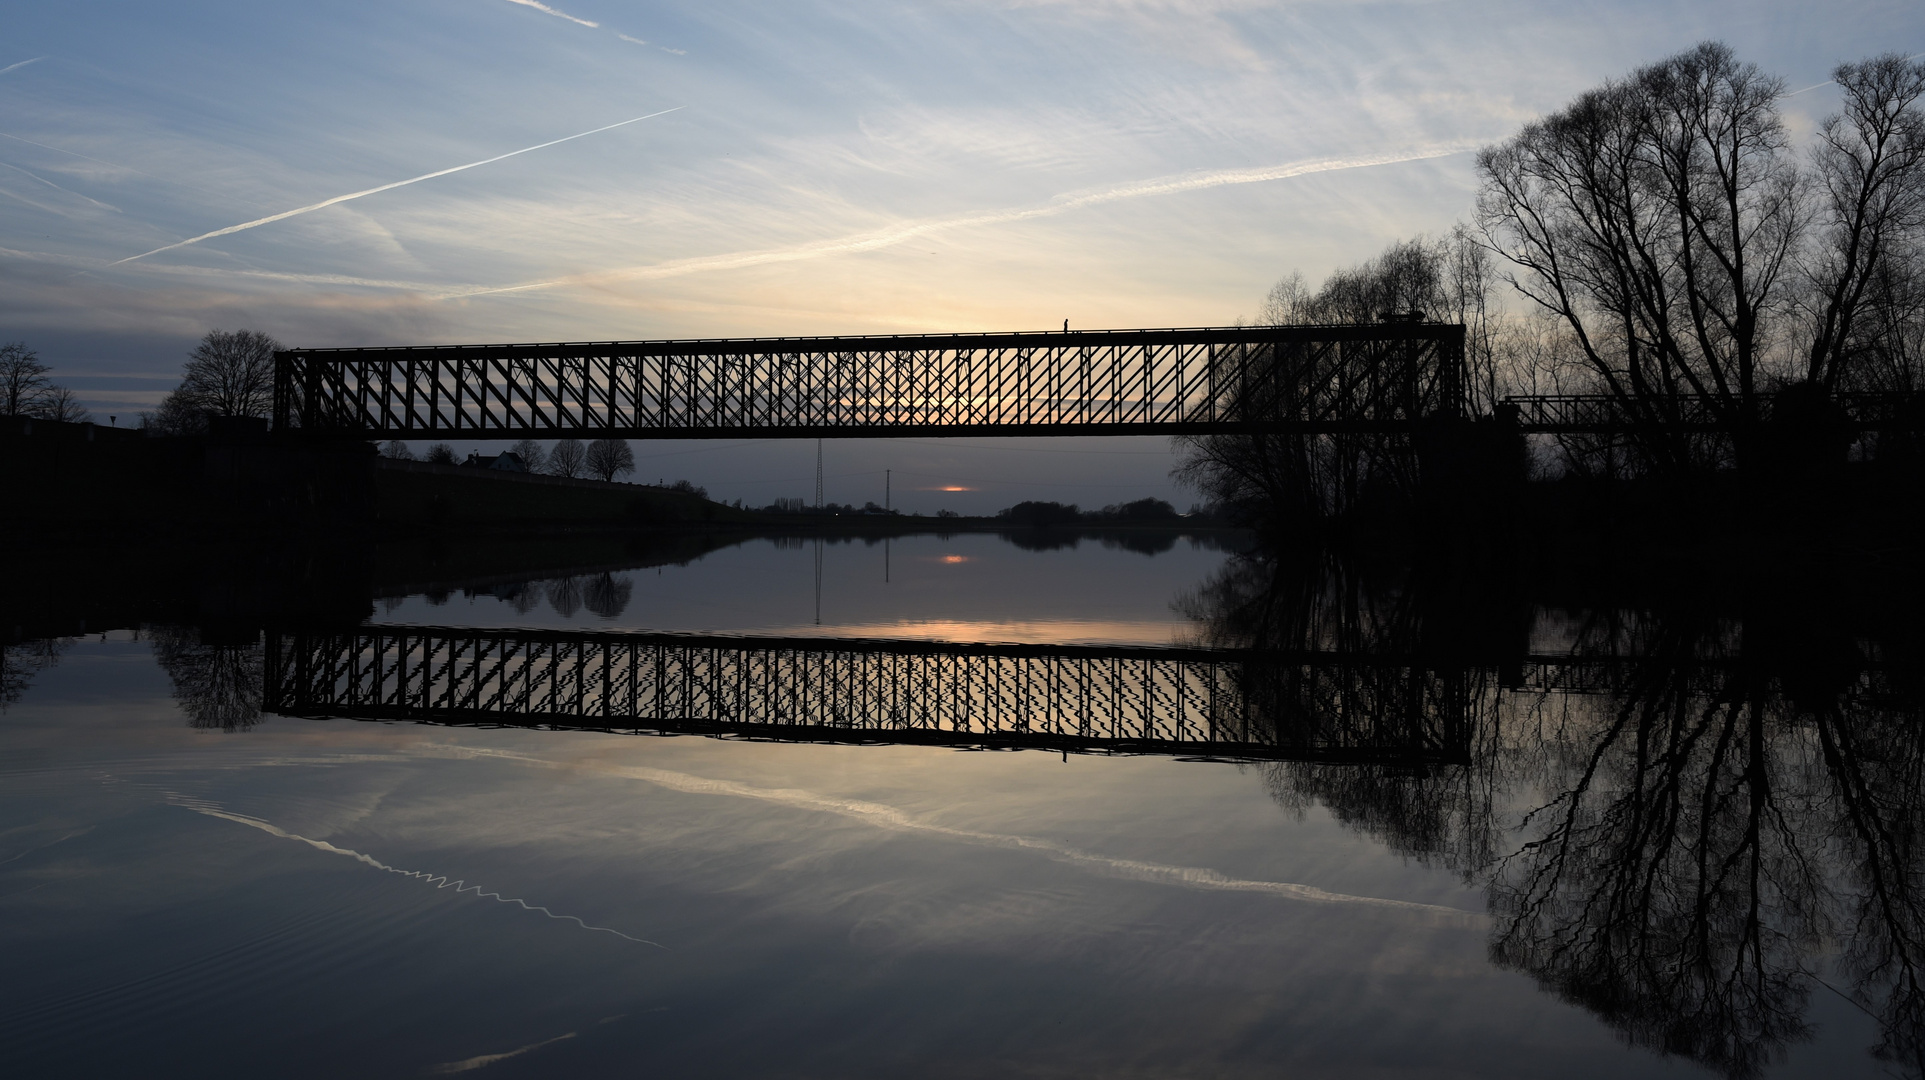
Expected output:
(1682, 839)
(1210, 703)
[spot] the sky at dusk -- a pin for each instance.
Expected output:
(804, 168)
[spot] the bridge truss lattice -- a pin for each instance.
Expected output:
(1312, 379)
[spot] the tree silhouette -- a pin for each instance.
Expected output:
(23, 379)
(609, 458)
(230, 373)
(25, 389)
(533, 457)
(1308, 478)
(1663, 219)
(566, 458)
(60, 403)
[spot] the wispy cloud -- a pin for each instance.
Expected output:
(1166, 185)
(338, 199)
(57, 187)
(546, 10)
(21, 64)
(70, 153)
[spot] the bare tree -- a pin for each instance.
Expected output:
(1869, 164)
(60, 403)
(532, 456)
(23, 379)
(1321, 476)
(609, 458)
(232, 373)
(179, 414)
(1658, 217)
(441, 454)
(397, 450)
(567, 458)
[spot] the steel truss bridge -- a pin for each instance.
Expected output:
(1314, 379)
(1384, 378)
(1191, 702)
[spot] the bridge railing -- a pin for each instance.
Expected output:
(1325, 378)
(1609, 414)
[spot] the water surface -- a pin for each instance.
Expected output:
(189, 886)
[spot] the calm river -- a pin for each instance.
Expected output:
(555, 825)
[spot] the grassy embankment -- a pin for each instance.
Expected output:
(412, 496)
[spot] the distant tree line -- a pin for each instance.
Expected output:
(1142, 511)
(1029, 513)
(25, 389)
(1660, 236)
(603, 459)
(803, 506)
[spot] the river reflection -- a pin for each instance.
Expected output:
(1697, 834)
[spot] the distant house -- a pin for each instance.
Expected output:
(506, 461)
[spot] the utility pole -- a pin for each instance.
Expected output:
(818, 474)
(885, 488)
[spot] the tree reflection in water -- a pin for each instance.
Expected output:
(218, 684)
(1684, 835)
(607, 595)
(20, 663)
(565, 596)
(603, 594)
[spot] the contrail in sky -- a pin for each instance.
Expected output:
(284, 215)
(57, 187)
(21, 64)
(1803, 89)
(1167, 185)
(544, 8)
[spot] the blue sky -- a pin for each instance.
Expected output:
(829, 168)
